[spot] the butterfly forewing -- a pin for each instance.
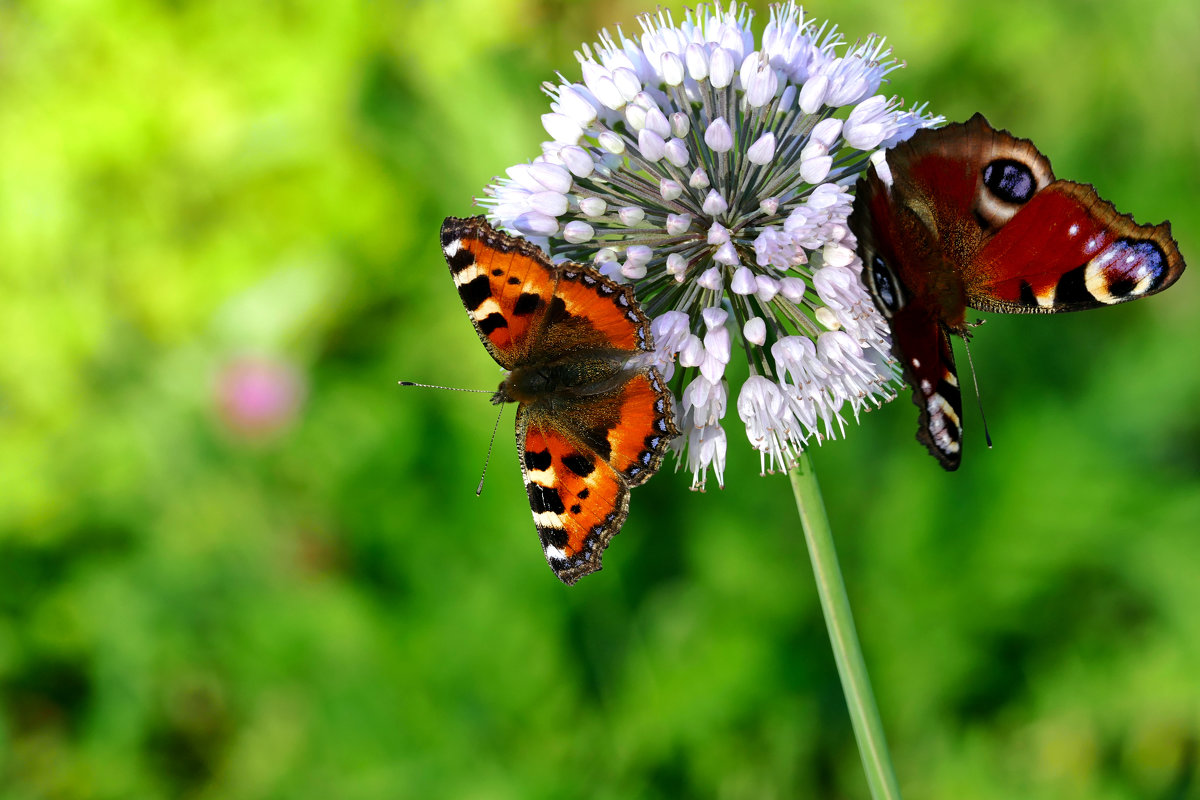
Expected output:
(505, 283)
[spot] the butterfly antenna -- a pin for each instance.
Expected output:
(447, 388)
(979, 400)
(488, 460)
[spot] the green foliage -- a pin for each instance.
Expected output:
(320, 608)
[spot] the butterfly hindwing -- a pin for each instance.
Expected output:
(506, 285)
(923, 348)
(579, 502)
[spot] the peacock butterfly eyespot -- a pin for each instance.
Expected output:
(1005, 237)
(1125, 270)
(1010, 181)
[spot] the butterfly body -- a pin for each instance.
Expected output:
(974, 218)
(592, 420)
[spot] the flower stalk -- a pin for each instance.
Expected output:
(839, 622)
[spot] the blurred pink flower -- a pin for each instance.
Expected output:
(258, 396)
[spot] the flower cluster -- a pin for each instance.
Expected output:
(714, 174)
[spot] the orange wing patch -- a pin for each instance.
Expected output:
(505, 283)
(605, 312)
(578, 501)
(641, 436)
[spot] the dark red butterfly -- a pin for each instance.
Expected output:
(974, 218)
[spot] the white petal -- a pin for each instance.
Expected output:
(635, 115)
(657, 122)
(692, 352)
(671, 68)
(638, 254)
(812, 94)
(768, 287)
(710, 279)
(718, 136)
(755, 331)
(533, 223)
(835, 255)
(628, 83)
(699, 179)
(743, 281)
(680, 124)
(576, 106)
(669, 190)
(578, 231)
(678, 223)
(562, 128)
(651, 144)
(550, 203)
(814, 170)
(718, 234)
(714, 317)
(677, 152)
(593, 206)
(676, 264)
(826, 132)
(721, 68)
(792, 289)
(612, 142)
(631, 215)
(577, 160)
(726, 254)
(763, 150)
(714, 203)
(551, 176)
(695, 58)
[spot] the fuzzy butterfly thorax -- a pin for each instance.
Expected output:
(593, 420)
(974, 218)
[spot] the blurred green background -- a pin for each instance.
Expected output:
(237, 561)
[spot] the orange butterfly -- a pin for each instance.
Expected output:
(591, 421)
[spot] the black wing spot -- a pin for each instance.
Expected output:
(497, 272)
(491, 322)
(461, 259)
(1010, 181)
(514, 280)
(575, 509)
(558, 311)
(598, 438)
(553, 537)
(537, 461)
(583, 493)
(545, 498)
(1072, 288)
(1027, 297)
(580, 465)
(474, 292)
(527, 303)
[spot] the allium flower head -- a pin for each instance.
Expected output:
(713, 173)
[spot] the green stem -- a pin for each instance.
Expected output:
(864, 715)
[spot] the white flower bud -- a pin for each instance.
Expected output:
(718, 136)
